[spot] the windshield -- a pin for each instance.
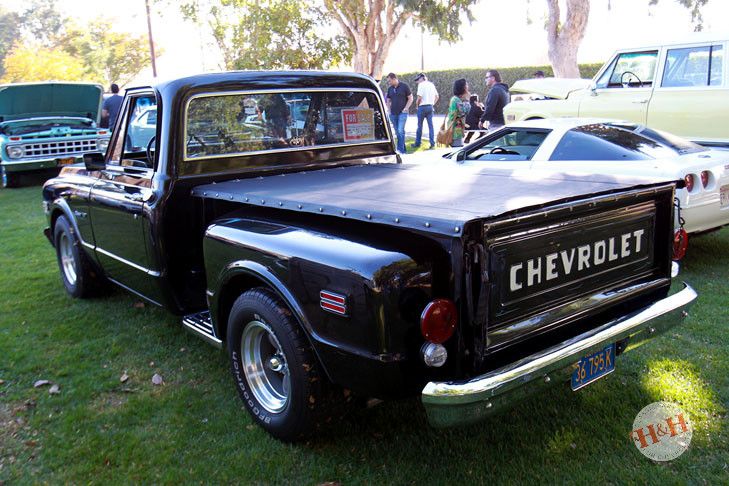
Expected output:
(609, 142)
(509, 144)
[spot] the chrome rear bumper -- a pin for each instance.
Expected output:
(459, 403)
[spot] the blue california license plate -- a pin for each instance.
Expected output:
(593, 367)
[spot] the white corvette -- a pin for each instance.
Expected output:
(599, 146)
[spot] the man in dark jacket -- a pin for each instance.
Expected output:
(497, 98)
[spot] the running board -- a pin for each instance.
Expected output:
(201, 325)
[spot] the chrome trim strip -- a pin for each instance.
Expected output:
(185, 157)
(459, 403)
(151, 273)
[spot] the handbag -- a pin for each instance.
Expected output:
(445, 135)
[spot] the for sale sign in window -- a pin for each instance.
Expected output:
(359, 124)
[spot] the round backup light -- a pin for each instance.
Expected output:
(704, 178)
(438, 321)
(689, 182)
(434, 355)
(15, 152)
(680, 242)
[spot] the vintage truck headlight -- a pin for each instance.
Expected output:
(102, 144)
(14, 151)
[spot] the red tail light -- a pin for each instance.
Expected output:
(438, 321)
(689, 182)
(704, 178)
(680, 242)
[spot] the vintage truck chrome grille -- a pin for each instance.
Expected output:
(60, 148)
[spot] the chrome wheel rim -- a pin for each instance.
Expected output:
(265, 366)
(65, 253)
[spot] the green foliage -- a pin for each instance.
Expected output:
(28, 63)
(268, 34)
(89, 52)
(193, 428)
(109, 56)
(42, 21)
(444, 79)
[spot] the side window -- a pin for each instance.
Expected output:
(601, 142)
(632, 69)
(693, 66)
(138, 129)
(239, 123)
(717, 66)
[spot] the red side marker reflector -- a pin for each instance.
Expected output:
(680, 242)
(333, 302)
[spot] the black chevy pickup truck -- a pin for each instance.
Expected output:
(272, 212)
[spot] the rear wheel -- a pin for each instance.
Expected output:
(77, 272)
(274, 367)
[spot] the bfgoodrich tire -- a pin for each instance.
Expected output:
(274, 367)
(77, 272)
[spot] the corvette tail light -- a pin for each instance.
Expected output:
(438, 321)
(680, 242)
(689, 182)
(704, 178)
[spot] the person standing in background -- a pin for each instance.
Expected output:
(474, 115)
(427, 98)
(496, 100)
(111, 105)
(399, 99)
(458, 110)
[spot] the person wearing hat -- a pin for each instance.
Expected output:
(427, 97)
(539, 74)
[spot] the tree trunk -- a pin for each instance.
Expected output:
(564, 40)
(372, 26)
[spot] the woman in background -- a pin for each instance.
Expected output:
(457, 111)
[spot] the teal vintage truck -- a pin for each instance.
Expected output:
(47, 125)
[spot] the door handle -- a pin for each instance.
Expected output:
(641, 101)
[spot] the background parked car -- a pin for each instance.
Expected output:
(573, 145)
(680, 87)
(44, 126)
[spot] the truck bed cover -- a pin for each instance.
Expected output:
(430, 198)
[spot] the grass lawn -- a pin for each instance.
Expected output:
(193, 429)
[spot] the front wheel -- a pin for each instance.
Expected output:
(10, 179)
(274, 367)
(77, 272)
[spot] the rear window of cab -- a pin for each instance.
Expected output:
(225, 124)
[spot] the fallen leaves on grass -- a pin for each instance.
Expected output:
(157, 379)
(124, 377)
(41, 383)
(138, 305)
(54, 390)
